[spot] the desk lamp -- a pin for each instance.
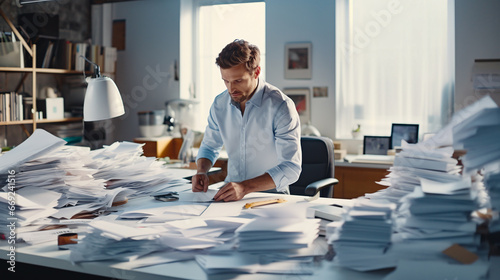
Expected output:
(102, 99)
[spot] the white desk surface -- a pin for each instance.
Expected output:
(48, 255)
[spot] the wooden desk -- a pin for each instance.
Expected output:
(356, 179)
(161, 147)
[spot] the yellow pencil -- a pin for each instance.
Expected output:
(265, 202)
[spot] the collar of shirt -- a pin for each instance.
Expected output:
(256, 99)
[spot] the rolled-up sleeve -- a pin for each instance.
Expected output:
(287, 141)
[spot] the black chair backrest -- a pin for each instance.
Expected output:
(317, 163)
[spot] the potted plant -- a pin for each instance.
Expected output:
(356, 132)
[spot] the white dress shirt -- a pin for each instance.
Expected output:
(265, 139)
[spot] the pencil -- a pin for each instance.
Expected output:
(265, 202)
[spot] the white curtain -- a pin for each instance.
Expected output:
(394, 64)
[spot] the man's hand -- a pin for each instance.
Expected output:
(199, 182)
(231, 192)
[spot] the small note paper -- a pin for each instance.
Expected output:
(460, 254)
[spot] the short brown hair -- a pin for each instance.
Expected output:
(237, 52)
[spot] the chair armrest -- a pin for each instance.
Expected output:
(313, 188)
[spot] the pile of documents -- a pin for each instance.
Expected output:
(361, 241)
(48, 183)
(478, 136)
(436, 151)
(147, 244)
(492, 184)
(277, 229)
(263, 234)
(112, 241)
(251, 263)
(122, 165)
(417, 161)
(279, 239)
(435, 216)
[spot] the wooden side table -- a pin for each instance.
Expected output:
(356, 179)
(161, 147)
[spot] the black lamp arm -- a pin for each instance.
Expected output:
(97, 69)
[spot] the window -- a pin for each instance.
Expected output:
(394, 64)
(217, 26)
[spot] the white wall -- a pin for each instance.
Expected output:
(145, 69)
(477, 36)
(293, 21)
(153, 39)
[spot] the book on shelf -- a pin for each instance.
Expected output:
(109, 60)
(11, 106)
(60, 53)
(80, 50)
(48, 55)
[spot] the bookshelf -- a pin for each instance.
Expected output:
(40, 70)
(31, 50)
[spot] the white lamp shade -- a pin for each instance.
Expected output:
(102, 100)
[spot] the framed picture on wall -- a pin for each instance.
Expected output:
(300, 97)
(298, 61)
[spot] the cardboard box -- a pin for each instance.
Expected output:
(339, 154)
(337, 145)
(55, 108)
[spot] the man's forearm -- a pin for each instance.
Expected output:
(235, 191)
(203, 165)
(263, 182)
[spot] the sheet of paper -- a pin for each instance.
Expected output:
(190, 196)
(185, 244)
(173, 211)
(158, 258)
(39, 143)
(119, 232)
(236, 262)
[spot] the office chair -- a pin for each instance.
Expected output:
(317, 168)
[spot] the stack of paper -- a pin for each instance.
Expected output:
(278, 227)
(64, 171)
(22, 208)
(39, 143)
(112, 241)
(251, 263)
(435, 216)
(492, 183)
(264, 234)
(280, 240)
(41, 167)
(122, 165)
(362, 239)
(436, 153)
(479, 136)
(417, 161)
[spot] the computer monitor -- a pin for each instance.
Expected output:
(403, 131)
(376, 145)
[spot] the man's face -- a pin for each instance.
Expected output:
(239, 83)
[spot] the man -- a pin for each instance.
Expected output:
(256, 123)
